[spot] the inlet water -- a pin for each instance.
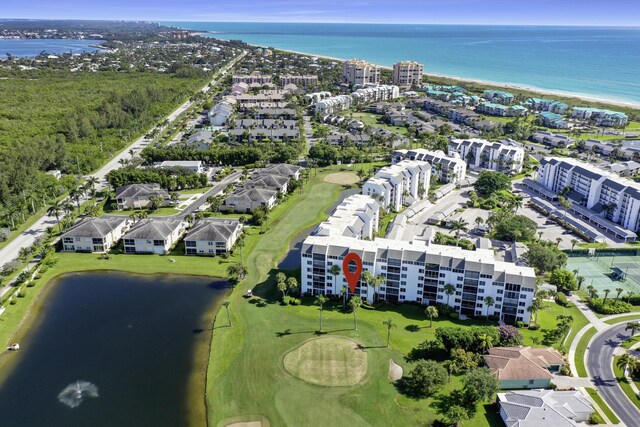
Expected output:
(113, 349)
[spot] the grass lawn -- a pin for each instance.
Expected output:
(547, 321)
(247, 376)
(605, 409)
(581, 349)
(630, 341)
(629, 318)
(375, 120)
(624, 384)
(195, 191)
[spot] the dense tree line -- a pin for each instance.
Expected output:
(176, 178)
(226, 155)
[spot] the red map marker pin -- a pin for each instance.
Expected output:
(352, 277)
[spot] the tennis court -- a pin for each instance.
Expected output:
(600, 272)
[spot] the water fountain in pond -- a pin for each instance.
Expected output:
(75, 393)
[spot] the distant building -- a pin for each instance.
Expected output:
(628, 168)
(551, 105)
(300, 81)
(555, 140)
(498, 96)
(193, 165)
(212, 236)
(138, 196)
(374, 94)
(600, 116)
(153, 235)
(359, 72)
(220, 113)
(507, 158)
(501, 110)
(553, 120)
(334, 104)
(94, 234)
(251, 79)
(247, 199)
(407, 73)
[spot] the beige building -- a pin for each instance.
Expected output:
(359, 72)
(407, 73)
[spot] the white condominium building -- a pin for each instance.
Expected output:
(375, 94)
(356, 216)
(334, 104)
(255, 78)
(304, 81)
(399, 184)
(447, 168)
(415, 271)
(407, 73)
(605, 193)
(504, 157)
(359, 72)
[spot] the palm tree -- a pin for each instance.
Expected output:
(376, 283)
(558, 241)
(574, 242)
(76, 195)
(344, 291)
(226, 306)
(389, 324)
(355, 302)
(449, 290)
(592, 291)
(431, 311)
(240, 243)
(606, 293)
(366, 277)
(633, 327)
(458, 226)
(619, 291)
(536, 305)
(629, 296)
(320, 300)
(479, 221)
(580, 280)
(489, 302)
(628, 363)
(56, 210)
(485, 341)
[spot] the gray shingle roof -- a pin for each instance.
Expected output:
(141, 190)
(153, 229)
(213, 230)
(94, 227)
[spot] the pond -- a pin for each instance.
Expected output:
(113, 349)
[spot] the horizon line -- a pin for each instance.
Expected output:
(160, 21)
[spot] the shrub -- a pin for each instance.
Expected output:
(454, 315)
(294, 301)
(286, 300)
(13, 302)
(566, 370)
(595, 419)
(31, 284)
(22, 293)
(520, 324)
(609, 306)
(10, 267)
(43, 269)
(509, 335)
(552, 385)
(534, 327)
(562, 299)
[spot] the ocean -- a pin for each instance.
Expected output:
(32, 47)
(594, 62)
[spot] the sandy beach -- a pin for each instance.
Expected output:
(580, 96)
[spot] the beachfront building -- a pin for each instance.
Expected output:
(153, 236)
(498, 96)
(501, 110)
(359, 72)
(407, 73)
(413, 271)
(300, 81)
(446, 168)
(553, 120)
(94, 234)
(550, 105)
(505, 157)
(595, 193)
(212, 236)
(399, 184)
(255, 78)
(600, 116)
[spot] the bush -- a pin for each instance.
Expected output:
(552, 385)
(534, 327)
(426, 378)
(520, 324)
(509, 335)
(13, 302)
(562, 299)
(609, 306)
(294, 301)
(454, 315)
(286, 300)
(566, 370)
(595, 419)
(31, 284)
(22, 293)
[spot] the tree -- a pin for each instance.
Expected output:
(226, 306)
(389, 324)
(431, 311)
(489, 302)
(320, 300)
(580, 280)
(628, 363)
(491, 181)
(292, 284)
(458, 226)
(335, 271)
(281, 283)
(485, 341)
(574, 242)
(426, 378)
(563, 279)
(606, 293)
(56, 210)
(509, 335)
(545, 256)
(633, 327)
(479, 221)
(513, 228)
(618, 292)
(449, 290)
(344, 291)
(354, 303)
(479, 385)
(536, 305)
(236, 272)
(455, 414)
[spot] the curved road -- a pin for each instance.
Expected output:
(599, 365)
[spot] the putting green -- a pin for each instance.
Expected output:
(328, 361)
(342, 178)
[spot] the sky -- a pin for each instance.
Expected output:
(491, 12)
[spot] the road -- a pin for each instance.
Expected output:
(26, 239)
(217, 188)
(599, 366)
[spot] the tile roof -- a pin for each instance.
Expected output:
(522, 362)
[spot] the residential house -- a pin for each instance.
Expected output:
(541, 408)
(283, 169)
(523, 367)
(555, 140)
(219, 115)
(193, 165)
(550, 105)
(94, 234)
(628, 168)
(153, 236)
(600, 116)
(138, 196)
(200, 140)
(245, 200)
(212, 236)
(301, 81)
(251, 78)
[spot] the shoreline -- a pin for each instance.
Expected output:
(513, 86)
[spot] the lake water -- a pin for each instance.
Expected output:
(593, 61)
(133, 339)
(33, 47)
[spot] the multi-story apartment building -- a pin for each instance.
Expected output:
(334, 104)
(375, 94)
(251, 79)
(551, 105)
(359, 72)
(602, 192)
(407, 73)
(414, 271)
(446, 168)
(600, 116)
(303, 81)
(501, 110)
(399, 184)
(498, 96)
(507, 157)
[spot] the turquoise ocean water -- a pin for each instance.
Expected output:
(593, 61)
